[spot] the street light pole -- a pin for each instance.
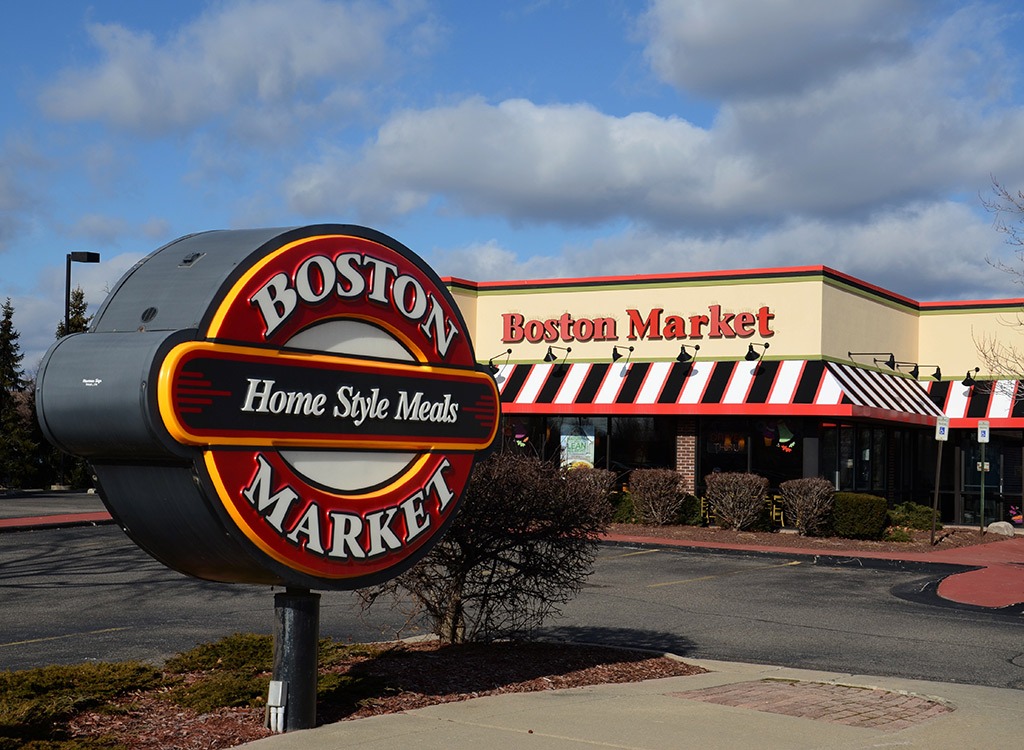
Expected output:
(80, 257)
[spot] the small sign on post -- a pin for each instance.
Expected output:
(982, 467)
(941, 436)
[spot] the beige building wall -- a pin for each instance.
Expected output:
(856, 320)
(808, 313)
(960, 337)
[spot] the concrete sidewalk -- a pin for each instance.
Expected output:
(732, 707)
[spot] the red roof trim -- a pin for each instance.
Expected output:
(726, 276)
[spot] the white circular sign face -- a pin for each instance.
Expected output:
(349, 471)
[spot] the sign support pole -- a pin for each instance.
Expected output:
(983, 436)
(941, 436)
(935, 498)
(296, 640)
(981, 510)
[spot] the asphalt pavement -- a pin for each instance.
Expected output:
(733, 705)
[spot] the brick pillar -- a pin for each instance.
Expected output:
(686, 452)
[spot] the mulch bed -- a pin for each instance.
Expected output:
(417, 675)
(947, 538)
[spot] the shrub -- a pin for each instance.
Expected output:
(736, 499)
(656, 495)
(521, 545)
(235, 672)
(807, 504)
(913, 516)
(587, 481)
(898, 534)
(247, 652)
(222, 688)
(689, 512)
(859, 516)
(623, 509)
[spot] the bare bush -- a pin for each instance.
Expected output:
(590, 482)
(656, 495)
(737, 500)
(521, 546)
(807, 504)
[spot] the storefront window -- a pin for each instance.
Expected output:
(991, 470)
(617, 443)
(855, 457)
(847, 457)
(642, 442)
(577, 441)
(725, 446)
(776, 450)
(770, 447)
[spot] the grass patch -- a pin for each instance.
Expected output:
(35, 704)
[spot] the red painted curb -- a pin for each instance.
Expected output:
(63, 519)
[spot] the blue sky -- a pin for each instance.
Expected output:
(531, 139)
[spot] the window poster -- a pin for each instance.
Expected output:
(578, 447)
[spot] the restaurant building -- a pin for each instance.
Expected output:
(787, 373)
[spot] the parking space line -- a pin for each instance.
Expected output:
(631, 554)
(721, 575)
(61, 637)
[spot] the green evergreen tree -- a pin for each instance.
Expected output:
(78, 321)
(44, 465)
(17, 449)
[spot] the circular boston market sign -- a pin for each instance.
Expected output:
(330, 403)
(339, 425)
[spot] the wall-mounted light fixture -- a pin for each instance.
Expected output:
(685, 356)
(969, 378)
(915, 369)
(753, 355)
(493, 368)
(890, 362)
(551, 356)
(617, 355)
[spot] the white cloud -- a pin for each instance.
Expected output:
(933, 251)
(877, 133)
(566, 163)
(927, 251)
(252, 55)
(729, 48)
(490, 261)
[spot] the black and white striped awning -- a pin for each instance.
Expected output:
(790, 387)
(1001, 402)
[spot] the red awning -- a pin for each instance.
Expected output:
(1001, 402)
(784, 388)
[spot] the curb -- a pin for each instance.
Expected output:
(65, 520)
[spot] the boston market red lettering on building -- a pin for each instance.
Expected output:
(653, 325)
